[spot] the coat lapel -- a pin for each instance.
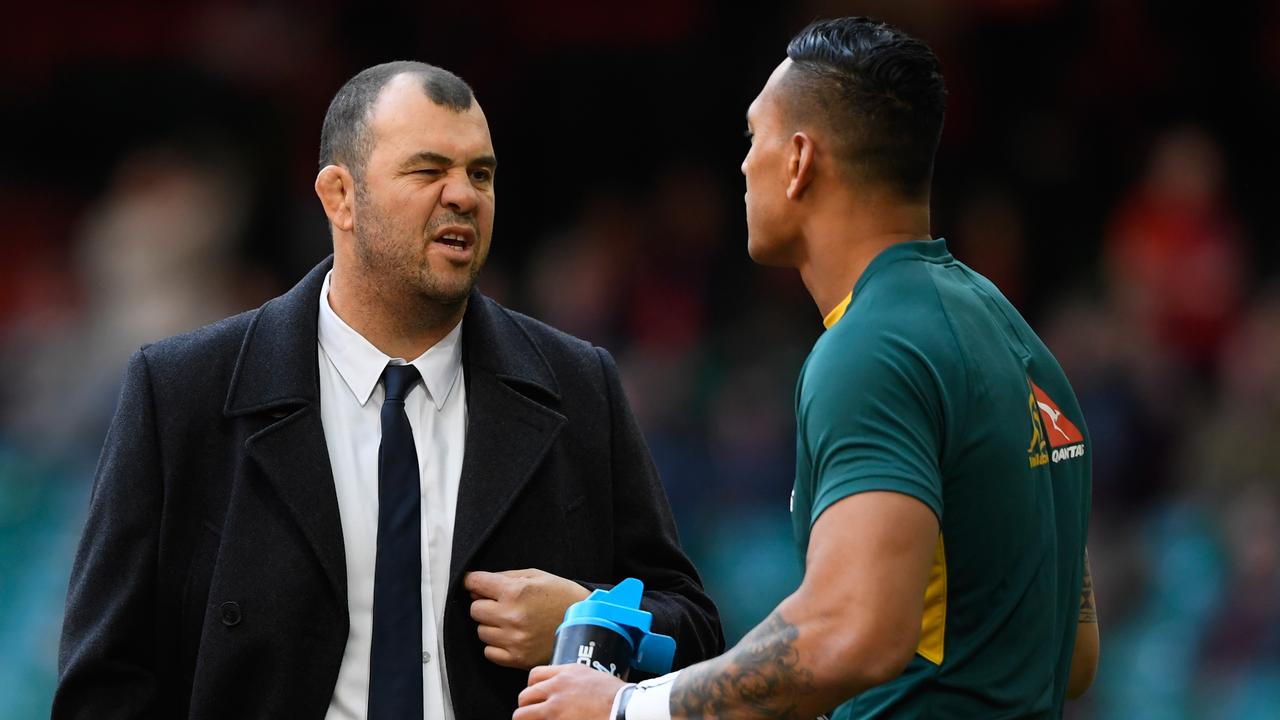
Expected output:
(277, 379)
(508, 429)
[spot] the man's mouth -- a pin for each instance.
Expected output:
(459, 237)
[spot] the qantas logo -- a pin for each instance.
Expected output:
(1050, 429)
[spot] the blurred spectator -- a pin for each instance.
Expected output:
(155, 257)
(1245, 633)
(1174, 253)
(1235, 446)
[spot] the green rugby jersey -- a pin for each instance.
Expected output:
(929, 383)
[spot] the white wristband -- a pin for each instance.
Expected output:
(614, 713)
(652, 699)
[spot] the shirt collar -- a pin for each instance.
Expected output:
(837, 312)
(360, 363)
(927, 250)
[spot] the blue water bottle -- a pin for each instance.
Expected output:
(609, 632)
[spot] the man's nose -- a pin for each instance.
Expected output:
(459, 195)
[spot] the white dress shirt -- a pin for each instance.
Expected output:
(350, 408)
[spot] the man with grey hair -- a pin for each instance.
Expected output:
(374, 496)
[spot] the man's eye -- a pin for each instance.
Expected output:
(481, 175)
(748, 135)
(430, 172)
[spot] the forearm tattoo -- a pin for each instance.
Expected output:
(761, 677)
(1088, 609)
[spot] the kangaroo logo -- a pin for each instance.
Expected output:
(1053, 413)
(1066, 440)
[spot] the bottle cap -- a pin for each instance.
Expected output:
(619, 610)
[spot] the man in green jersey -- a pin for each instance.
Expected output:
(941, 498)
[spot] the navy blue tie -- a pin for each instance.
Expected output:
(395, 663)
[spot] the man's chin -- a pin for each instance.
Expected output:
(450, 297)
(765, 255)
(452, 291)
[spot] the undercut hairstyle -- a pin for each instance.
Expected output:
(346, 139)
(879, 91)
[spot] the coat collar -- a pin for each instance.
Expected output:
(493, 342)
(512, 422)
(278, 366)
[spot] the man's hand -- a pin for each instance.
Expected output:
(567, 692)
(518, 612)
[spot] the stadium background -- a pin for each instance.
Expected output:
(1107, 163)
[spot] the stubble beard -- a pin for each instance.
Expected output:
(395, 260)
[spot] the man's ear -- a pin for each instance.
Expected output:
(337, 192)
(800, 169)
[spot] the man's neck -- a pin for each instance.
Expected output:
(839, 245)
(398, 324)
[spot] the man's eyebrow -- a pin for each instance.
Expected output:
(427, 157)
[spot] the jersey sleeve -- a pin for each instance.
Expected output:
(871, 415)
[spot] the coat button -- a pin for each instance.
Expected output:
(230, 612)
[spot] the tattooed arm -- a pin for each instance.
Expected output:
(853, 623)
(1084, 658)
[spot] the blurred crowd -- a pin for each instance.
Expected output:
(1106, 163)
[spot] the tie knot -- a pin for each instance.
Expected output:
(399, 380)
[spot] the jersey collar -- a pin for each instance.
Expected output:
(927, 250)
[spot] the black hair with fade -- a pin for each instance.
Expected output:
(345, 138)
(881, 92)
